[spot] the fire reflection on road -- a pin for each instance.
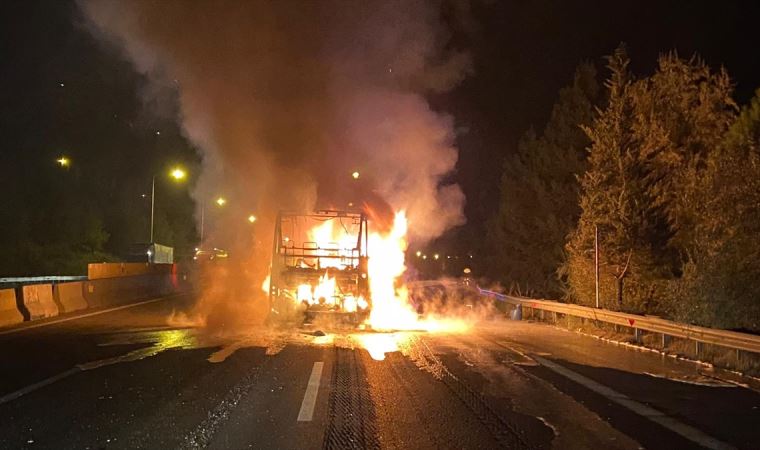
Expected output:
(222, 346)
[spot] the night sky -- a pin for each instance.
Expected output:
(60, 88)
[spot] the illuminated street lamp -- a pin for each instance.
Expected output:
(220, 201)
(251, 218)
(436, 256)
(355, 175)
(63, 162)
(178, 174)
(419, 253)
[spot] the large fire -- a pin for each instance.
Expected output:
(337, 243)
(391, 308)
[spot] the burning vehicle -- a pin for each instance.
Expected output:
(320, 266)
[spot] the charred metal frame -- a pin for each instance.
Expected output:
(297, 263)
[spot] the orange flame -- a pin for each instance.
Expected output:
(391, 309)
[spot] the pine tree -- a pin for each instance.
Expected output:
(688, 110)
(721, 282)
(539, 193)
(652, 147)
(617, 200)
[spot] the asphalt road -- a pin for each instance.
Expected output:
(126, 379)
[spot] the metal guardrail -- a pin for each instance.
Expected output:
(43, 279)
(20, 281)
(723, 338)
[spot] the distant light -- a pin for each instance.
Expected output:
(149, 252)
(143, 195)
(436, 256)
(178, 174)
(448, 256)
(63, 161)
(221, 201)
(61, 84)
(424, 256)
(355, 175)
(467, 270)
(158, 133)
(419, 253)
(252, 218)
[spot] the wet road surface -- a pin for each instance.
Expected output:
(127, 379)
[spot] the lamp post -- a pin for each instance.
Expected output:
(178, 174)
(220, 201)
(152, 205)
(596, 263)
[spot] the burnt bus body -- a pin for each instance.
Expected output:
(319, 266)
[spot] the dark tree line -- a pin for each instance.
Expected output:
(665, 168)
(64, 94)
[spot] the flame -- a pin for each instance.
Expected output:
(333, 240)
(349, 303)
(324, 293)
(377, 345)
(303, 293)
(390, 306)
(391, 309)
(265, 284)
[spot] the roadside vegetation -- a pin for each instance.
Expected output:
(666, 168)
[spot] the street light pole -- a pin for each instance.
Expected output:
(596, 262)
(178, 174)
(152, 205)
(203, 207)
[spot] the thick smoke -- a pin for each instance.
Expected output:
(286, 99)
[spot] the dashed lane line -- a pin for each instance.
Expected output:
(641, 409)
(310, 397)
(40, 384)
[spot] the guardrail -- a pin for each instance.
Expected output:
(703, 335)
(13, 281)
(24, 299)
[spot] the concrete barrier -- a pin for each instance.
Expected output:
(107, 292)
(38, 300)
(9, 313)
(70, 296)
(98, 271)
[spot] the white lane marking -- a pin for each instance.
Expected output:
(310, 397)
(33, 387)
(96, 313)
(135, 355)
(652, 414)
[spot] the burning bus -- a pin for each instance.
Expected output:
(320, 266)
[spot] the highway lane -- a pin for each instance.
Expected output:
(127, 379)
